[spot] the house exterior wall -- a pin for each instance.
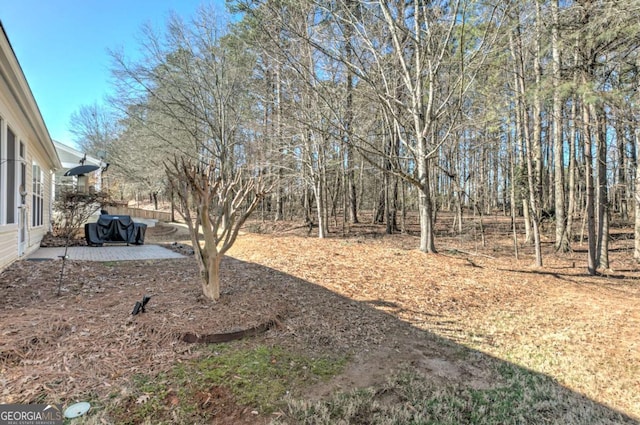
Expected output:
(8, 246)
(36, 232)
(70, 158)
(32, 145)
(9, 249)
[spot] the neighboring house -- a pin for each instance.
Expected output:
(71, 158)
(28, 160)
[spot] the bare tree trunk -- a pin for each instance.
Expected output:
(602, 254)
(351, 186)
(350, 181)
(306, 204)
(603, 260)
(460, 187)
(403, 222)
(534, 148)
(334, 196)
(211, 278)
(534, 206)
(572, 168)
(457, 219)
(622, 174)
(425, 208)
(387, 205)
(382, 210)
(324, 189)
(279, 140)
(388, 201)
(636, 245)
(562, 242)
(351, 193)
(381, 207)
(590, 192)
(521, 122)
(173, 206)
(318, 190)
(514, 226)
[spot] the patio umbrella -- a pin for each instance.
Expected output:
(81, 169)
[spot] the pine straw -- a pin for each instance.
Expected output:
(582, 330)
(375, 298)
(86, 342)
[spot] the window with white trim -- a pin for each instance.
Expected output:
(37, 212)
(23, 173)
(11, 193)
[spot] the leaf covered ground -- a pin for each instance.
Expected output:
(473, 325)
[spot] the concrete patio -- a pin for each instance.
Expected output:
(106, 253)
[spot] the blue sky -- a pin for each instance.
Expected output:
(62, 46)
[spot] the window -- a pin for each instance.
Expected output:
(23, 174)
(37, 215)
(11, 177)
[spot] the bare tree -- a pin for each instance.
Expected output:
(434, 64)
(215, 205)
(435, 98)
(562, 240)
(72, 210)
(636, 250)
(94, 127)
(185, 104)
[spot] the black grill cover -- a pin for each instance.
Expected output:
(114, 228)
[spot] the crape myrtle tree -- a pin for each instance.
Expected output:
(220, 207)
(186, 102)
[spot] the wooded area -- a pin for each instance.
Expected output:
(525, 108)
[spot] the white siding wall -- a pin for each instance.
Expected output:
(8, 245)
(9, 232)
(35, 234)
